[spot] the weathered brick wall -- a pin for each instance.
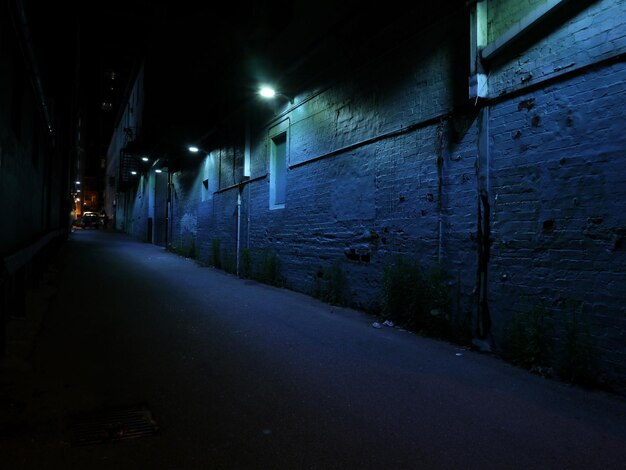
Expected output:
(186, 195)
(503, 14)
(385, 163)
(137, 223)
(557, 156)
(32, 199)
(587, 32)
(558, 183)
(216, 211)
(363, 182)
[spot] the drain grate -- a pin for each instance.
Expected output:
(112, 426)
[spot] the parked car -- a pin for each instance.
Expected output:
(89, 220)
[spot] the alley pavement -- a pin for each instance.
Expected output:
(132, 357)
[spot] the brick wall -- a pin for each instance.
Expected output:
(557, 144)
(558, 183)
(386, 162)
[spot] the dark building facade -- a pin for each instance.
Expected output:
(35, 154)
(485, 139)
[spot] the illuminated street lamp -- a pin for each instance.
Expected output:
(269, 93)
(196, 149)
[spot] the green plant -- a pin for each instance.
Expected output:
(528, 340)
(269, 269)
(216, 259)
(438, 302)
(330, 285)
(246, 263)
(403, 292)
(579, 362)
(229, 262)
(189, 248)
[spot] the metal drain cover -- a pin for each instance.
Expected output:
(112, 426)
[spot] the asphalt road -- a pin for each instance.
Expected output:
(239, 375)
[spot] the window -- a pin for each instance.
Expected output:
(246, 152)
(205, 180)
(278, 171)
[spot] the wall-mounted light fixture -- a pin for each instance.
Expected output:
(269, 93)
(145, 159)
(196, 149)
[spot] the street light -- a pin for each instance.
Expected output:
(196, 149)
(269, 93)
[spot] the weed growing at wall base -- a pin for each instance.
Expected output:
(579, 362)
(329, 285)
(419, 303)
(528, 340)
(188, 247)
(269, 269)
(216, 255)
(246, 264)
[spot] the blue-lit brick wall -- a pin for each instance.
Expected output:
(137, 220)
(589, 32)
(185, 197)
(557, 178)
(384, 162)
(559, 186)
(363, 182)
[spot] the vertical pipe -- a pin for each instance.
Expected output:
(484, 225)
(238, 227)
(440, 150)
(167, 209)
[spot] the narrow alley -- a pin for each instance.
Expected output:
(238, 374)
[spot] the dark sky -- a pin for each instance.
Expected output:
(202, 59)
(196, 52)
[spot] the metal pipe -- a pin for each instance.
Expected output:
(238, 228)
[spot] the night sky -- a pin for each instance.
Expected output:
(202, 61)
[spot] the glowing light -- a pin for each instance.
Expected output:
(193, 149)
(133, 172)
(78, 182)
(158, 171)
(145, 159)
(267, 92)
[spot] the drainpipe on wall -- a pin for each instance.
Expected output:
(483, 320)
(238, 226)
(479, 91)
(167, 209)
(442, 140)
